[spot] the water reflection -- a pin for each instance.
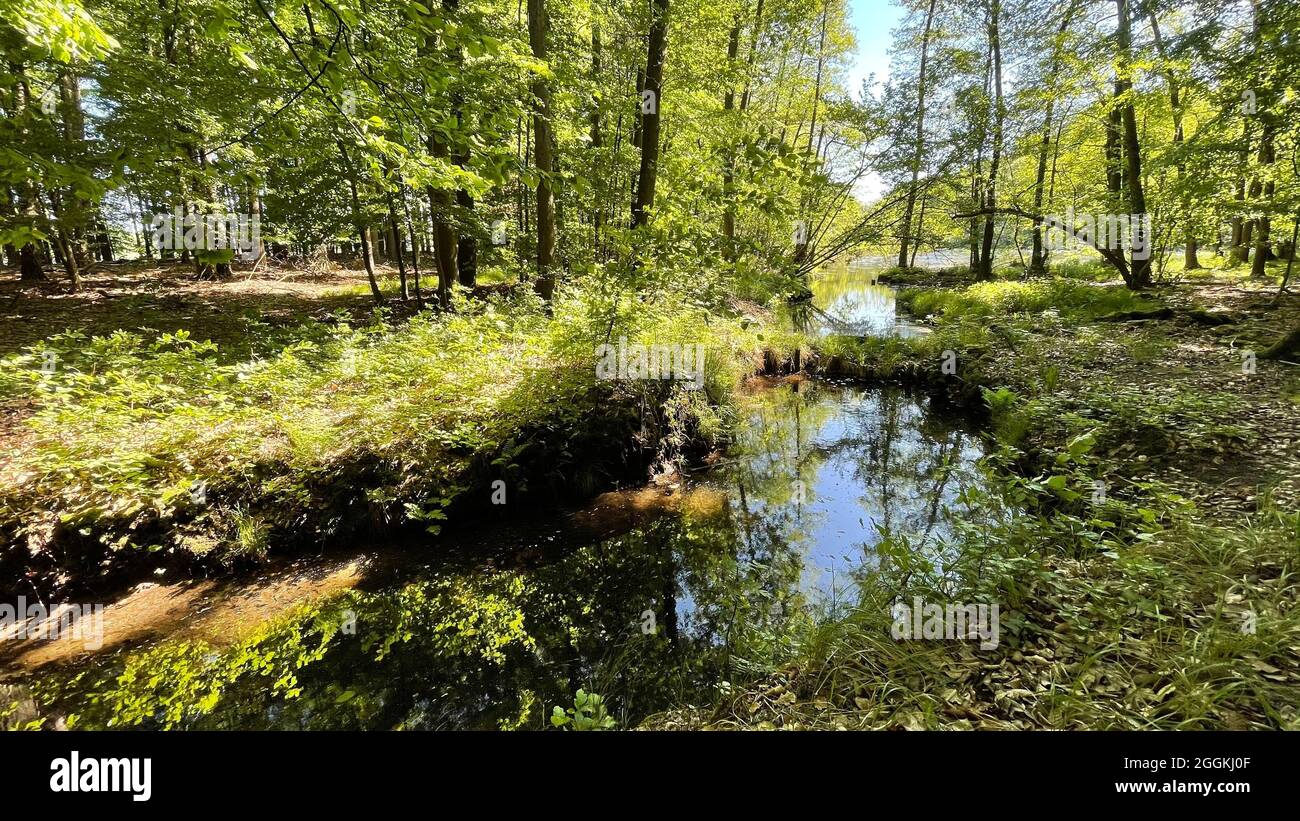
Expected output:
(835, 470)
(848, 299)
(660, 615)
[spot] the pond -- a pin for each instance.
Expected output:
(654, 598)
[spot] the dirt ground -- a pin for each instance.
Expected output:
(1209, 359)
(1212, 359)
(166, 297)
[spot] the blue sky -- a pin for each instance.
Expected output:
(873, 20)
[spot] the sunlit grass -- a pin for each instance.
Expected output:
(341, 426)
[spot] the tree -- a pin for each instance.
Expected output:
(919, 150)
(990, 193)
(651, 107)
(544, 153)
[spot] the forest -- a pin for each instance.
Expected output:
(669, 364)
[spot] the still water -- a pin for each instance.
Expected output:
(653, 598)
(848, 299)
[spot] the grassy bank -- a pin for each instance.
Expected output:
(140, 447)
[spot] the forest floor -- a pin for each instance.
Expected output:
(1142, 634)
(166, 298)
(1234, 418)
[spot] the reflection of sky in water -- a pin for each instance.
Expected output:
(871, 462)
(848, 301)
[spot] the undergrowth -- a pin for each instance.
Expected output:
(142, 443)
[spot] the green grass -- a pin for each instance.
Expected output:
(1003, 298)
(390, 284)
(1083, 269)
(345, 427)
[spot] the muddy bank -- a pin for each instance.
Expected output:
(564, 464)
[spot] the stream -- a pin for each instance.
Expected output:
(653, 598)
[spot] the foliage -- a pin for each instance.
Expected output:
(587, 713)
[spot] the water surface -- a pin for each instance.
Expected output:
(848, 299)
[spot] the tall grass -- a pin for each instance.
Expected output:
(1004, 298)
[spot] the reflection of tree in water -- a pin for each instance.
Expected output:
(775, 478)
(908, 464)
(851, 301)
(479, 649)
(474, 647)
(907, 455)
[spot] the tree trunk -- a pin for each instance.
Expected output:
(753, 52)
(1190, 262)
(544, 152)
(1288, 345)
(1140, 265)
(220, 270)
(651, 109)
(359, 223)
(62, 241)
(445, 245)
(1240, 227)
(821, 65)
(1290, 257)
(1263, 225)
(30, 265)
(396, 232)
(999, 112)
(1038, 257)
(415, 245)
(919, 152)
(1115, 152)
(597, 139)
(75, 217)
(466, 242)
(729, 160)
(920, 224)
